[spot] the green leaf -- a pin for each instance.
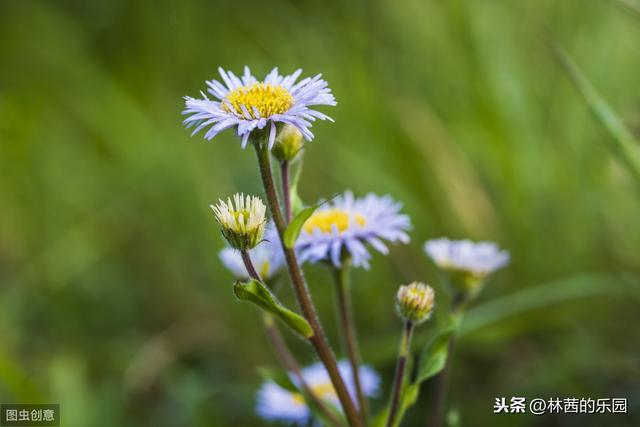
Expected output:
(293, 230)
(434, 354)
(257, 293)
(408, 398)
(296, 173)
(278, 377)
(623, 140)
(631, 6)
(555, 292)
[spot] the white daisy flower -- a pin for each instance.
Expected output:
(267, 257)
(349, 224)
(278, 404)
(478, 259)
(243, 221)
(249, 104)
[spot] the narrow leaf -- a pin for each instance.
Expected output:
(433, 357)
(278, 377)
(556, 292)
(293, 230)
(257, 293)
(624, 141)
(631, 6)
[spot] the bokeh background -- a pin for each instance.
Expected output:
(112, 300)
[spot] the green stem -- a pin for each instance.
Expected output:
(442, 380)
(283, 353)
(350, 341)
(318, 340)
(403, 354)
(286, 190)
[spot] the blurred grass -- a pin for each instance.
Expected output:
(112, 300)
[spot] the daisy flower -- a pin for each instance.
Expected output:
(477, 259)
(278, 404)
(349, 224)
(249, 104)
(267, 257)
(243, 221)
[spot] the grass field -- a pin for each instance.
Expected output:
(512, 121)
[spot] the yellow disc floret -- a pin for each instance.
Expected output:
(323, 391)
(326, 220)
(268, 99)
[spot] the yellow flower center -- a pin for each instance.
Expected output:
(323, 391)
(268, 99)
(326, 220)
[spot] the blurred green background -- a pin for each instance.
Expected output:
(112, 299)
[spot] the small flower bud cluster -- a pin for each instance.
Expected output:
(414, 302)
(242, 222)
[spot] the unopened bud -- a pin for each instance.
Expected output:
(242, 222)
(414, 302)
(288, 144)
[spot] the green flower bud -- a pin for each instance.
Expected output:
(414, 302)
(289, 143)
(242, 222)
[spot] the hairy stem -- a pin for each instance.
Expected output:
(286, 190)
(284, 354)
(318, 340)
(350, 341)
(248, 264)
(403, 354)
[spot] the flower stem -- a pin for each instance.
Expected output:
(291, 364)
(442, 380)
(350, 342)
(286, 190)
(318, 340)
(248, 264)
(440, 393)
(403, 354)
(284, 354)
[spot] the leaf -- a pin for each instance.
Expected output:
(408, 398)
(555, 292)
(624, 141)
(257, 293)
(293, 230)
(631, 6)
(278, 377)
(433, 357)
(296, 173)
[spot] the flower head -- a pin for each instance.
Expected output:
(242, 222)
(463, 256)
(414, 302)
(278, 404)
(267, 257)
(349, 224)
(250, 105)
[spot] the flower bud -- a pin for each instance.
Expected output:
(242, 222)
(288, 144)
(414, 302)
